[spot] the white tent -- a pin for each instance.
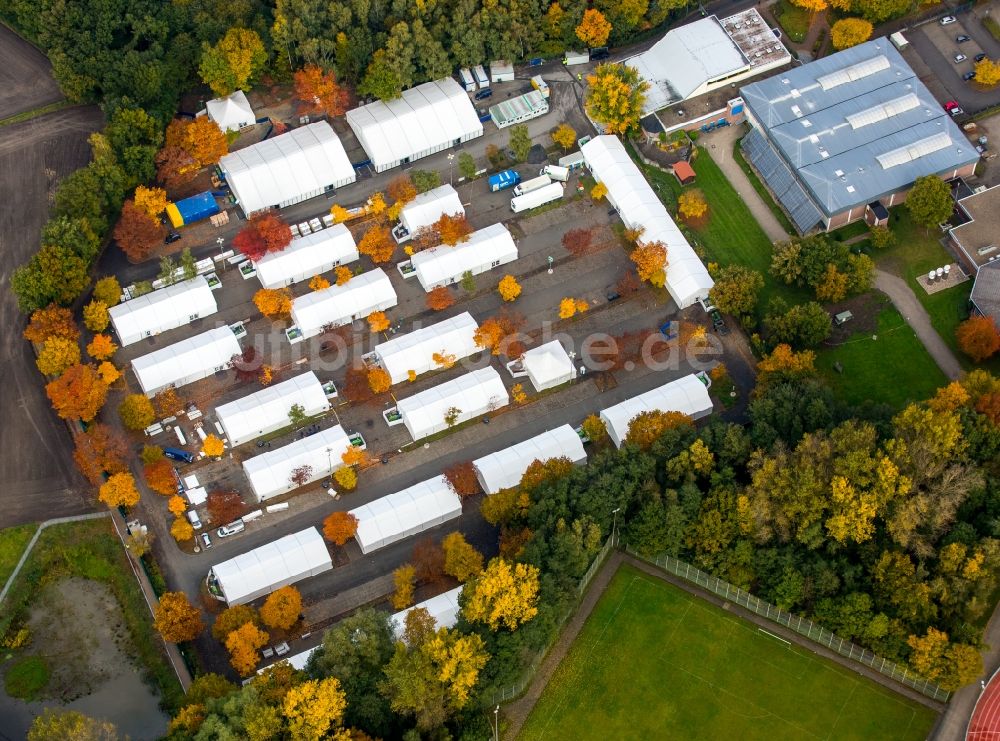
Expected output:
(290, 168)
(637, 204)
(425, 119)
(167, 308)
(336, 305)
(307, 256)
(267, 410)
(231, 113)
(296, 661)
(687, 395)
(428, 207)
(270, 473)
(264, 569)
(504, 469)
(186, 361)
(414, 351)
(473, 394)
(443, 609)
(196, 495)
(405, 513)
(483, 250)
(548, 365)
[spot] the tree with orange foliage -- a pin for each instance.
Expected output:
(378, 380)
(176, 505)
(518, 394)
(784, 364)
(151, 200)
(377, 244)
(339, 527)
(79, 393)
(274, 303)
(428, 561)
(282, 608)
(356, 389)
(175, 168)
(100, 451)
(540, 472)
(213, 447)
(440, 298)
(462, 480)
(200, 137)
(648, 427)
(176, 619)
(318, 283)
(343, 274)
(402, 190)
(599, 191)
(167, 403)
(160, 477)
(136, 233)
(650, 260)
(594, 28)
(378, 321)
(567, 308)
(52, 321)
(101, 347)
(452, 229)
(108, 373)
(355, 456)
(319, 92)
(495, 334)
(508, 288)
(224, 506)
(243, 645)
(443, 359)
(119, 491)
(978, 337)
(578, 241)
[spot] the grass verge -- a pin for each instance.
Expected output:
(36, 112)
(762, 191)
(795, 21)
(27, 678)
(655, 662)
(13, 541)
(91, 550)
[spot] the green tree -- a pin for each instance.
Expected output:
(70, 725)
(425, 180)
(802, 326)
(468, 282)
(735, 290)
(467, 165)
(234, 62)
(381, 79)
(519, 142)
(54, 275)
(929, 201)
(187, 264)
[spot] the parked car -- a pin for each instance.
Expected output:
(956, 111)
(962, 39)
(979, 57)
(947, 20)
(612, 295)
(959, 58)
(601, 52)
(484, 94)
(969, 76)
(193, 518)
(206, 541)
(172, 237)
(950, 105)
(718, 323)
(231, 529)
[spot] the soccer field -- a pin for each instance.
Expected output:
(653, 662)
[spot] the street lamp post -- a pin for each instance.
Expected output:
(496, 723)
(614, 525)
(451, 168)
(220, 241)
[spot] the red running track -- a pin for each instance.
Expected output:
(985, 722)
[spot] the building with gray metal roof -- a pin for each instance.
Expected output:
(834, 137)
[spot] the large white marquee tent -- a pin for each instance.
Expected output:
(443, 609)
(425, 119)
(258, 572)
(336, 305)
(231, 113)
(158, 311)
(414, 351)
(405, 513)
(548, 365)
(687, 395)
(637, 204)
(483, 250)
(473, 394)
(267, 410)
(186, 361)
(504, 469)
(307, 256)
(270, 473)
(428, 207)
(290, 168)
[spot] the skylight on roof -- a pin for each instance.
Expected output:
(883, 111)
(854, 72)
(917, 149)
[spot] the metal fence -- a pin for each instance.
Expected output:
(506, 694)
(800, 625)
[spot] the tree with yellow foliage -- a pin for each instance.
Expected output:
(832, 286)
(244, 644)
(443, 359)
(567, 308)
(346, 478)
(461, 560)
(849, 32)
(101, 347)
(233, 62)
(181, 530)
(379, 381)
(987, 72)
(404, 579)
(594, 28)
(508, 288)
(691, 205)
(213, 447)
(648, 427)
(108, 373)
(314, 709)
(518, 394)
(377, 243)
(318, 283)
(378, 321)
(95, 316)
(282, 608)
(176, 619)
(151, 200)
(57, 354)
(339, 214)
(616, 95)
(119, 491)
(594, 429)
(274, 303)
(564, 135)
(177, 505)
(504, 595)
(342, 274)
(650, 260)
(784, 364)
(599, 191)
(376, 204)
(136, 412)
(950, 665)
(814, 5)
(108, 291)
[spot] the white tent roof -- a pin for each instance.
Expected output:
(307, 256)
(267, 410)
(687, 395)
(187, 358)
(443, 608)
(425, 118)
(428, 207)
(270, 472)
(232, 112)
(504, 469)
(548, 364)
(196, 495)
(273, 565)
(415, 350)
(338, 304)
(628, 191)
(406, 513)
(287, 167)
(473, 394)
(161, 310)
(445, 264)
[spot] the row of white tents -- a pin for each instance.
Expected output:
(267, 410)
(414, 351)
(318, 455)
(453, 402)
(307, 256)
(484, 250)
(158, 311)
(337, 305)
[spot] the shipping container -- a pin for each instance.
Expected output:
(576, 57)
(190, 210)
(468, 81)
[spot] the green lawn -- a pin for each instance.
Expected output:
(655, 662)
(13, 541)
(868, 374)
(762, 191)
(793, 19)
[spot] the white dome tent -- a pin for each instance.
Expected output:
(472, 394)
(231, 113)
(186, 361)
(637, 204)
(158, 311)
(688, 395)
(442, 608)
(307, 256)
(266, 410)
(484, 250)
(504, 469)
(548, 365)
(414, 351)
(408, 512)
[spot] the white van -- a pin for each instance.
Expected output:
(481, 78)
(555, 172)
(231, 529)
(193, 518)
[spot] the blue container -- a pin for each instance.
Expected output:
(504, 180)
(192, 209)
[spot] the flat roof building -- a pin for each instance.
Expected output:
(168, 308)
(522, 108)
(986, 291)
(267, 410)
(978, 238)
(833, 137)
(307, 256)
(186, 361)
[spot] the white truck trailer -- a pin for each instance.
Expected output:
(536, 198)
(534, 184)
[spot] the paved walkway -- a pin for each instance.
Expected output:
(719, 145)
(909, 306)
